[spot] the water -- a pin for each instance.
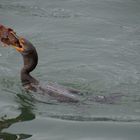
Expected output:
(90, 45)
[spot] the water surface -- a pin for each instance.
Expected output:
(90, 45)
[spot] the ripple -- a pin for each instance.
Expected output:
(37, 11)
(96, 118)
(10, 85)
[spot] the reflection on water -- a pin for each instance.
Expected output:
(25, 115)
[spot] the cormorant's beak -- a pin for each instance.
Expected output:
(21, 41)
(18, 48)
(21, 48)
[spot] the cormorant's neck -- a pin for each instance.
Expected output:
(30, 59)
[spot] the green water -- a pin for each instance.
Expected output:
(89, 45)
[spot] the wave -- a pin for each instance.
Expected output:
(37, 11)
(97, 118)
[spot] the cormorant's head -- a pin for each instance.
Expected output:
(20, 48)
(25, 47)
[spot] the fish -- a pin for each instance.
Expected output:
(8, 37)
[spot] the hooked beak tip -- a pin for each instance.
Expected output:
(18, 49)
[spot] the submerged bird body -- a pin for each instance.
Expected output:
(30, 59)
